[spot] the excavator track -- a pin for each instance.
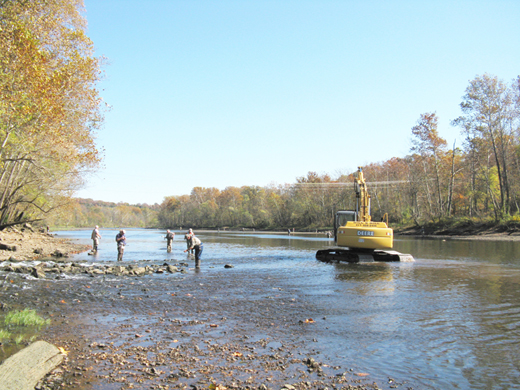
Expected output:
(337, 255)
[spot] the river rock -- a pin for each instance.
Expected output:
(139, 271)
(24, 369)
(28, 227)
(12, 248)
(38, 272)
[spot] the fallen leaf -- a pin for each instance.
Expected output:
(237, 354)
(217, 387)
(214, 326)
(62, 351)
(309, 321)
(362, 374)
(63, 301)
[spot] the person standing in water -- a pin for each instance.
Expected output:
(95, 238)
(121, 242)
(187, 237)
(169, 239)
(195, 244)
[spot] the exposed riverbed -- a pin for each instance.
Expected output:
(279, 317)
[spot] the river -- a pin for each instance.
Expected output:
(449, 320)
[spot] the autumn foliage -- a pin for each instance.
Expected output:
(49, 106)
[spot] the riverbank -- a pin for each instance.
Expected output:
(466, 230)
(27, 243)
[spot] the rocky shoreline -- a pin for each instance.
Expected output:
(46, 269)
(28, 243)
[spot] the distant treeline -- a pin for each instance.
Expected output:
(89, 213)
(258, 207)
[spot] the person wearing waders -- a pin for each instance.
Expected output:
(121, 242)
(187, 238)
(195, 243)
(169, 239)
(95, 238)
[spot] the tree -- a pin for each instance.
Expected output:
(431, 151)
(490, 114)
(49, 106)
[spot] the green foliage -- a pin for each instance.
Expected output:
(22, 325)
(4, 334)
(26, 317)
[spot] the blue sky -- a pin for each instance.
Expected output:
(233, 93)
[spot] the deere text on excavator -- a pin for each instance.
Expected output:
(359, 238)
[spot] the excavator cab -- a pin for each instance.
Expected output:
(342, 217)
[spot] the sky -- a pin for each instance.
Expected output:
(207, 93)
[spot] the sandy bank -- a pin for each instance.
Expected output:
(28, 244)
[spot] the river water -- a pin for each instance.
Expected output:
(449, 320)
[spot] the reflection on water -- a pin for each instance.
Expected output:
(451, 319)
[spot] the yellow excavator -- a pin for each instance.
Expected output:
(359, 238)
